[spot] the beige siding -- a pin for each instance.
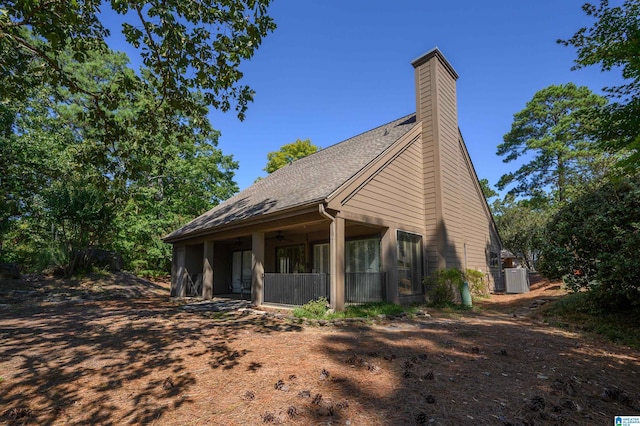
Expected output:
(426, 114)
(394, 193)
(474, 224)
(460, 230)
(449, 169)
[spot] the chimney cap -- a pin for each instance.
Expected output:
(430, 54)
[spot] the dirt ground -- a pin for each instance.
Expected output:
(117, 350)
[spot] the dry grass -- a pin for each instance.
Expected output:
(144, 360)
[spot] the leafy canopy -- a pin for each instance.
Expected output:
(552, 133)
(522, 224)
(121, 183)
(289, 153)
(613, 43)
(184, 45)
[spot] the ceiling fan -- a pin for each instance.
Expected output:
(279, 237)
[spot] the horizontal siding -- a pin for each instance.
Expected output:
(395, 192)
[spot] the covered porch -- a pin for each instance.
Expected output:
(290, 262)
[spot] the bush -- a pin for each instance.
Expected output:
(477, 283)
(444, 285)
(593, 244)
(313, 309)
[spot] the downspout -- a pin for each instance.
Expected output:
(324, 213)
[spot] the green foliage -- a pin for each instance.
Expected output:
(593, 244)
(552, 131)
(373, 310)
(289, 153)
(445, 285)
(313, 309)
(119, 183)
(613, 43)
(522, 225)
(578, 311)
(184, 45)
(318, 309)
(487, 191)
(477, 283)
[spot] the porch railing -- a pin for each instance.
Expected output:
(295, 289)
(363, 287)
(298, 289)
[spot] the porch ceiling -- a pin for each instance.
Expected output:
(287, 232)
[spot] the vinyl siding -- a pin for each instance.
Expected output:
(459, 229)
(473, 225)
(425, 113)
(449, 168)
(394, 193)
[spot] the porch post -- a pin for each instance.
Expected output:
(257, 268)
(178, 271)
(336, 247)
(207, 271)
(390, 264)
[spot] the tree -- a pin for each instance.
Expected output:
(78, 184)
(487, 191)
(185, 45)
(289, 153)
(613, 42)
(593, 243)
(521, 224)
(554, 127)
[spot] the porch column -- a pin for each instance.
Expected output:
(336, 247)
(257, 268)
(178, 271)
(389, 248)
(207, 270)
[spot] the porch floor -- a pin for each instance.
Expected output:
(220, 303)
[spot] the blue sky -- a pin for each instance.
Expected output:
(336, 68)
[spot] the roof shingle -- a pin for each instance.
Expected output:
(306, 181)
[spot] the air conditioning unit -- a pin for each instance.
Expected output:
(516, 280)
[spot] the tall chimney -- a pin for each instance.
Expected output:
(436, 112)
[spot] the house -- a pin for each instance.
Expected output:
(510, 260)
(363, 220)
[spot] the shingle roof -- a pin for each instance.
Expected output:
(306, 181)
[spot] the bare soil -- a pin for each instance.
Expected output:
(117, 350)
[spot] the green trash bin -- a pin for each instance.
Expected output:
(466, 294)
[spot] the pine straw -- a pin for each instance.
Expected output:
(150, 362)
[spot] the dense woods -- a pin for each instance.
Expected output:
(97, 154)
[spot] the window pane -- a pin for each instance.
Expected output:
(409, 263)
(363, 255)
(290, 259)
(321, 258)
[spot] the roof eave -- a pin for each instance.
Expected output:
(268, 217)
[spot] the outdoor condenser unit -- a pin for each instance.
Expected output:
(516, 280)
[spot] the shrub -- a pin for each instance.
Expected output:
(444, 285)
(313, 309)
(593, 244)
(477, 283)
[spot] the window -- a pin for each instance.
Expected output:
(290, 259)
(240, 270)
(493, 259)
(409, 264)
(321, 258)
(363, 255)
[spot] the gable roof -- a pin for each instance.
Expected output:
(306, 181)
